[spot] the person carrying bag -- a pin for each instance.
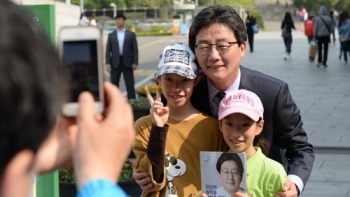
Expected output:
(322, 31)
(287, 26)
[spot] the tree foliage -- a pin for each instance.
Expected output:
(314, 5)
(99, 4)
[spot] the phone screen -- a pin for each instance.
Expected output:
(81, 57)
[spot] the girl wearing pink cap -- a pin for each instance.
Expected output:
(241, 122)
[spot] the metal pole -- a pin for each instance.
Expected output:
(114, 9)
(81, 6)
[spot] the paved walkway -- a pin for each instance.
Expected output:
(323, 96)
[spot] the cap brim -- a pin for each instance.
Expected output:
(176, 69)
(242, 110)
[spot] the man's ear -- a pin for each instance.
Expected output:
(243, 48)
(17, 179)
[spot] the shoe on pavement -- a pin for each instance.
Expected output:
(319, 64)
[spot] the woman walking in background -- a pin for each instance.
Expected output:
(334, 21)
(250, 21)
(287, 26)
(302, 13)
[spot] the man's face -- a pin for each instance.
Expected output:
(230, 176)
(221, 68)
(119, 22)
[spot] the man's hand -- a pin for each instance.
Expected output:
(56, 151)
(134, 66)
(108, 68)
(142, 179)
(289, 190)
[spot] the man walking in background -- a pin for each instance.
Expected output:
(122, 55)
(324, 26)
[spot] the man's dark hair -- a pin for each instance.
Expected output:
(30, 83)
(230, 157)
(225, 15)
(120, 16)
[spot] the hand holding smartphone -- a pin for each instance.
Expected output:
(81, 50)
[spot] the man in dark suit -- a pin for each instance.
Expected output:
(122, 55)
(219, 39)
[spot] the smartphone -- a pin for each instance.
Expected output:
(81, 51)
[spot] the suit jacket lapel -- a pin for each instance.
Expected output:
(200, 95)
(126, 38)
(245, 81)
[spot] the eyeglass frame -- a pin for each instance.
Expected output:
(230, 172)
(216, 45)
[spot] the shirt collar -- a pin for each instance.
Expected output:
(121, 31)
(213, 91)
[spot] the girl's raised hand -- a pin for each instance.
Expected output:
(159, 113)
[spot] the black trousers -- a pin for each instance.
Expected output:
(251, 41)
(288, 43)
(323, 43)
(128, 74)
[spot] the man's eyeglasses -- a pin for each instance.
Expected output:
(221, 47)
(228, 172)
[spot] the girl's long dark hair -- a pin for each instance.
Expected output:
(261, 142)
(287, 17)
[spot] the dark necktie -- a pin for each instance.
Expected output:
(215, 103)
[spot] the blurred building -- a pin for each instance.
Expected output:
(64, 12)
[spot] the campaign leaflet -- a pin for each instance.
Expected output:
(223, 173)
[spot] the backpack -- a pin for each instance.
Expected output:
(285, 32)
(309, 28)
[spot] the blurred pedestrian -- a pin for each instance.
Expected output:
(83, 20)
(302, 13)
(344, 35)
(334, 21)
(287, 26)
(250, 21)
(322, 31)
(308, 26)
(93, 21)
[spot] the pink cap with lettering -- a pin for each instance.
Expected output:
(241, 101)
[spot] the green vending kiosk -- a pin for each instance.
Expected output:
(47, 184)
(45, 16)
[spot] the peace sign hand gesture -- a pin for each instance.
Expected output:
(159, 113)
